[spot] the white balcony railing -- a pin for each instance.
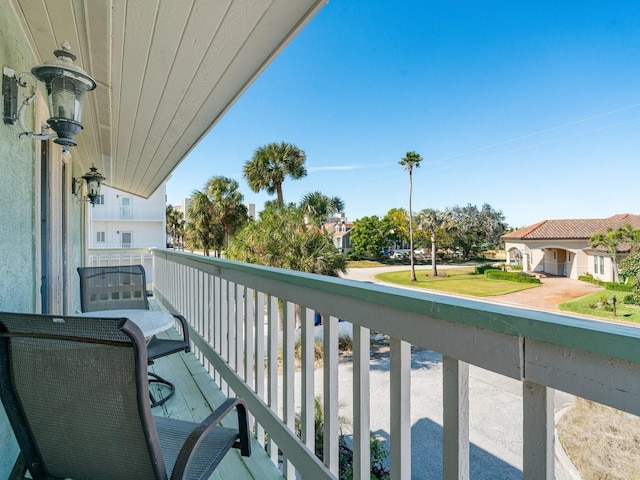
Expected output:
(233, 309)
(116, 212)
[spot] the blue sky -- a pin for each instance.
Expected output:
(531, 107)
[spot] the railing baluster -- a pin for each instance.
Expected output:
(260, 357)
(538, 429)
(307, 411)
(288, 376)
(400, 409)
(239, 317)
(455, 399)
(361, 404)
(224, 326)
(330, 386)
(217, 320)
(249, 327)
(272, 384)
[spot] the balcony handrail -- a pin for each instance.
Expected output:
(614, 340)
(596, 360)
(118, 212)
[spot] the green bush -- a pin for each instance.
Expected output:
(620, 287)
(516, 267)
(519, 277)
(480, 269)
(631, 299)
(355, 256)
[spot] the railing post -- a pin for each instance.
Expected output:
(455, 399)
(538, 434)
(400, 409)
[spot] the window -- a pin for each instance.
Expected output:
(99, 200)
(601, 265)
(595, 264)
(126, 239)
(100, 237)
(568, 256)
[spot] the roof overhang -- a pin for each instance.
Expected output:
(167, 71)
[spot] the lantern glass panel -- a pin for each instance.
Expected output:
(66, 96)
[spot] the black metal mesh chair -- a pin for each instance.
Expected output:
(74, 418)
(125, 287)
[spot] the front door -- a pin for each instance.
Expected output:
(125, 208)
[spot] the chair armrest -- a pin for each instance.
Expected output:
(185, 330)
(200, 432)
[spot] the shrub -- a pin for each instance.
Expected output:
(620, 287)
(480, 269)
(355, 256)
(587, 277)
(632, 299)
(519, 277)
(516, 267)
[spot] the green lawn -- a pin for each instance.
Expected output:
(462, 281)
(585, 306)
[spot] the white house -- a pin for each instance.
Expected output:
(561, 247)
(122, 228)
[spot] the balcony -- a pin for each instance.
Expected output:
(244, 317)
(127, 213)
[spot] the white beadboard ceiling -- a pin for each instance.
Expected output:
(167, 70)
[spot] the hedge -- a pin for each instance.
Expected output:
(620, 287)
(480, 269)
(511, 276)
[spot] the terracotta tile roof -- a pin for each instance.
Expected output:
(573, 229)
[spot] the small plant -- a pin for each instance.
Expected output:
(345, 344)
(378, 451)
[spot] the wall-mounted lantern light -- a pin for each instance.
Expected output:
(93, 179)
(66, 85)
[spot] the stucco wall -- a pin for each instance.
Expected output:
(540, 254)
(17, 193)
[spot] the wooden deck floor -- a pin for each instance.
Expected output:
(195, 398)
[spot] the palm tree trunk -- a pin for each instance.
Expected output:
(280, 196)
(434, 268)
(413, 269)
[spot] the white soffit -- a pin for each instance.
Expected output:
(166, 71)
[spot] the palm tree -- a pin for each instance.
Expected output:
(281, 239)
(271, 164)
(409, 161)
(227, 208)
(318, 206)
(198, 229)
(175, 225)
(431, 221)
(611, 241)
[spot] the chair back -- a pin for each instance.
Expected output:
(76, 394)
(113, 288)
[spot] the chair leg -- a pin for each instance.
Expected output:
(19, 468)
(155, 378)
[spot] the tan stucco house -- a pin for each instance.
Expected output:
(561, 247)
